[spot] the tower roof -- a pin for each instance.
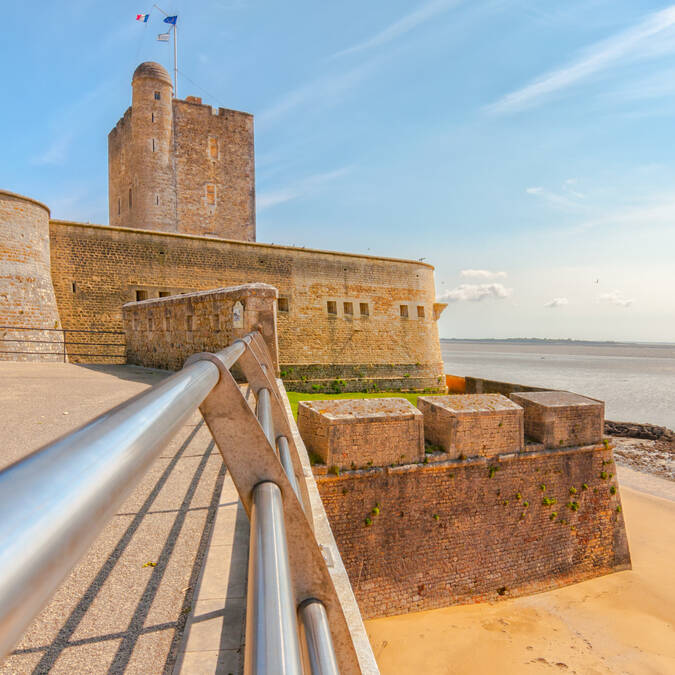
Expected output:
(152, 70)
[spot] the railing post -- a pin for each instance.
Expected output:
(272, 646)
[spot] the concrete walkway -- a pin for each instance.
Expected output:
(124, 608)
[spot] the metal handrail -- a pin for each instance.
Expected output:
(55, 501)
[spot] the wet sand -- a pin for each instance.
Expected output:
(619, 623)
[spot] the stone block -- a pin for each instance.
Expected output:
(472, 424)
(561, 418)
(362, 432)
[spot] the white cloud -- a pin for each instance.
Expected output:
(646, 39)
(476, 292)
(300, 188)
(402, 26)
(660, 211)
(557, 302)
(323, 91)
(553, 197)
(482, 274)
(56, 152)
(616, 298)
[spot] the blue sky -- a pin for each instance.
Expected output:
(523, 148)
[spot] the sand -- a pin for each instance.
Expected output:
(619, 623)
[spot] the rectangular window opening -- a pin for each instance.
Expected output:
(164, 294)
(153, 144)
(331, 307)
(157, 200)
(363, 308)
(141, 295)
(420, 312)
(130, 198)
(158, 96)
(153, 116)
(73, 286)
(348, 308)
(404, 311)
(282, 304)
(211, 194)
(213, 147)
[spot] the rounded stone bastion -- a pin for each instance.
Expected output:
(29, 319)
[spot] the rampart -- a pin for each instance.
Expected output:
(370, 322)
(164, 332)
(422, 536)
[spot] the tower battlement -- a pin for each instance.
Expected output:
(181, 165)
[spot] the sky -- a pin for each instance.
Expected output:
(523, 148)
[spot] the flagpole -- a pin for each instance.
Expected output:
(175, 59)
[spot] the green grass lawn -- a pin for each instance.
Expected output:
(296, 396)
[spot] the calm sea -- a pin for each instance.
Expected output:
(637, 382)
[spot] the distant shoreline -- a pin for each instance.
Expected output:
(563, 342)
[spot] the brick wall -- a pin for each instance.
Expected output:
(362, 432)
(459, 532)
(26, 293)
(164, 332)
(110, 265)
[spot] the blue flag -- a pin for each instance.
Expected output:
(171, 19)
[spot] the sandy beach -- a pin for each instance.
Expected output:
(620, 623)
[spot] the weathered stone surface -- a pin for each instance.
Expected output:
(164, 332)
(561, 418)
(472, 424)
(476, 530)
(181, 166)
(27, 299)
(362, 432)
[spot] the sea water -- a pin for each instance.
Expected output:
(637, 382)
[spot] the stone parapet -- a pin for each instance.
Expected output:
(472, 424)
(561, 418)
(164, 332)
(362, 432)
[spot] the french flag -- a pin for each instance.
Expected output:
(142, 17)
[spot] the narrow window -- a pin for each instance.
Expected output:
(188, 322)
(404, 311)
(119, 205)
(153, 116)
(210, 194)
(331, 306)
(149, 323)
(153, 144)
(141, 295)
(164, 294)
(158, 96)
(348, 308)
(363, 308)
(157, 200)
(282, 304)
(213, 147)
(420, 312)
(73, 286)
(129, 197)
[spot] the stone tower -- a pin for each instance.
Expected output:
(30, 316)
(181, 166)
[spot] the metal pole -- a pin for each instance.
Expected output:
(272, 646)
(55, 501)
(175, 59)
(317, 638)
(285, 457)
(264, 413)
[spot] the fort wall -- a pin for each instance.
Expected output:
(164, 332)
(478, 529)
(320, 340)
(26, 294)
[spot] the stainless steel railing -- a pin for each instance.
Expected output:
(55, 502)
